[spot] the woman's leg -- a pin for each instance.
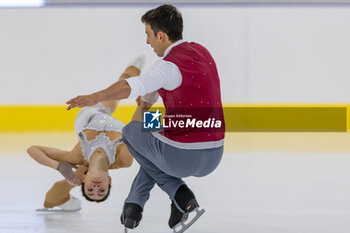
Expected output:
(131, 71)
(59, 192)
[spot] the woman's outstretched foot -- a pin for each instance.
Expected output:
(138, 62)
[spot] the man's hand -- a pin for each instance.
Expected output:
(82, 101)
(66, 169)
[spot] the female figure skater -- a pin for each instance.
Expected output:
(98, 150)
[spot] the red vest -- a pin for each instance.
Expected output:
(198, 95)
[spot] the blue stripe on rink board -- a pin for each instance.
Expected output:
(202, 4)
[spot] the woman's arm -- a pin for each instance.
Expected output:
(47, 156)
(124, 158)
(141, 106)
(50, 156)
(59, 160)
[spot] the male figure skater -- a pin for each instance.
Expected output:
(187, 80)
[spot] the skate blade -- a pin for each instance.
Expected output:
(184, 227)
(125, 230)
(51, 210)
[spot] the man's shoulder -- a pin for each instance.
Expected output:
(186, 50)
(187, 46)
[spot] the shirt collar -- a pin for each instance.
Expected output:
(167, 51)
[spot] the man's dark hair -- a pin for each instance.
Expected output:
(165, 18)
(89, 199)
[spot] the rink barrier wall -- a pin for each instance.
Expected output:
(238, 118)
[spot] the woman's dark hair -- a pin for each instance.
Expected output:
(165, 18)
(88, 198)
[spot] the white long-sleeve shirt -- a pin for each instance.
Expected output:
(163, 74)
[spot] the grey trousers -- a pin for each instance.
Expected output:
(163, 164)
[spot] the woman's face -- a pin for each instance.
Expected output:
(96, 185)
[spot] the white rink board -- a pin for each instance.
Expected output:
(264, 53)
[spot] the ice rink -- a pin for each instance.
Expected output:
(275, 55)
(258, 188)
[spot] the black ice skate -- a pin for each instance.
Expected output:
(184, 204)
(131, 216)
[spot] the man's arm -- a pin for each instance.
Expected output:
(119, 90)
(130, 71)
(162, 75)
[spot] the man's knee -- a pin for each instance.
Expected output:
(131, 129)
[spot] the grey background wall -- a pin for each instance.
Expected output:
(264, 53)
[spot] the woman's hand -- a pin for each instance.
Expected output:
(143, 104)
(66, 169)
